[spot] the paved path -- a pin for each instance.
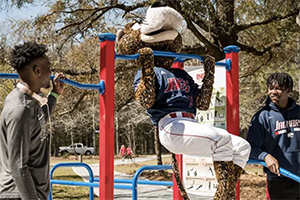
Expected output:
(144, 191)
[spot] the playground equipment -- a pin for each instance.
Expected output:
(94, 182)
(107, 65)
(106, 119)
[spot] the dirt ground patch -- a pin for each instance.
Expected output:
(252, 182)
(253, 186)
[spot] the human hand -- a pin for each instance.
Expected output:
(272, 164)
(58, 87)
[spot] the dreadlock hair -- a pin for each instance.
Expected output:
(23, 54)
(282, 79)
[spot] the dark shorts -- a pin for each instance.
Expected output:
(286, 189)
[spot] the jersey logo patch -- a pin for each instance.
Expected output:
(175, 84)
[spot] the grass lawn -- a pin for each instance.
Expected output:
(72, 158)
(131, 168)
(65, 192)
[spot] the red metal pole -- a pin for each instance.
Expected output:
(106, 119)
(176, 193)
(177, 64)
(232, 94)
(267, 191)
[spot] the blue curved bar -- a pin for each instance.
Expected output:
(74, 183)
(228, 66)
(181, 60)
(112, 37)
(139, 171)
(232, 48)
(140, 182)
(77, 164)
(178, 56)
(100, 87)
(9, 76)
(127, 57)
(107, 36)
(282, 171)
(122, 187)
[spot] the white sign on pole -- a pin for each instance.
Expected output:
(198, 172)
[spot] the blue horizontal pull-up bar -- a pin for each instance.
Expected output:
(282, 171)
(179, 56)
(100, 87)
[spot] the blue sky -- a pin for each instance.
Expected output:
(28, 11)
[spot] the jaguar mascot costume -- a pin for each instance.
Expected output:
(162, 90)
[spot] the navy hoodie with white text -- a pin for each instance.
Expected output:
(276, 131)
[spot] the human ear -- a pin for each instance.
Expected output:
(36, 69)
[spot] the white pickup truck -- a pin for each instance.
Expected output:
(78, 148)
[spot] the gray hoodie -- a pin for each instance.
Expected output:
(24, 147)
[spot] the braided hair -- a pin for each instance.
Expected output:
(283, 80)
(23, 54)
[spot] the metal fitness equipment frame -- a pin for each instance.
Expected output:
(231, 65)
(106, 137)
(106, 100)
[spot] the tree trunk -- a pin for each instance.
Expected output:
(94, 142)
(55, 146)
(72, 141)
(133, 147)
(145, 147)
(117, 133)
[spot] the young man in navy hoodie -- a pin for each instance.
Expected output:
(274, 136)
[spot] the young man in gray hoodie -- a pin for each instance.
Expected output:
(24, 140)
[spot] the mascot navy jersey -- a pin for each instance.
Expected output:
(175, 91)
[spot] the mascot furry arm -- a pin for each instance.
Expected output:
(145, 93)
(204, 96)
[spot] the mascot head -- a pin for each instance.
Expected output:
(158, 31)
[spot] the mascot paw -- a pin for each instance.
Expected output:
(146, 60)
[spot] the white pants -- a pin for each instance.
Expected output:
(186, 136)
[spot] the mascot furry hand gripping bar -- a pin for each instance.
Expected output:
(171, 98)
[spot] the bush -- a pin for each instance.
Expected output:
(65, 155)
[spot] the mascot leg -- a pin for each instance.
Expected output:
(232, 181)
(178, 179)
(223, 170)
(241, 151)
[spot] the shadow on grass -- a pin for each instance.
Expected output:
(69, 193)
(67, 177)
